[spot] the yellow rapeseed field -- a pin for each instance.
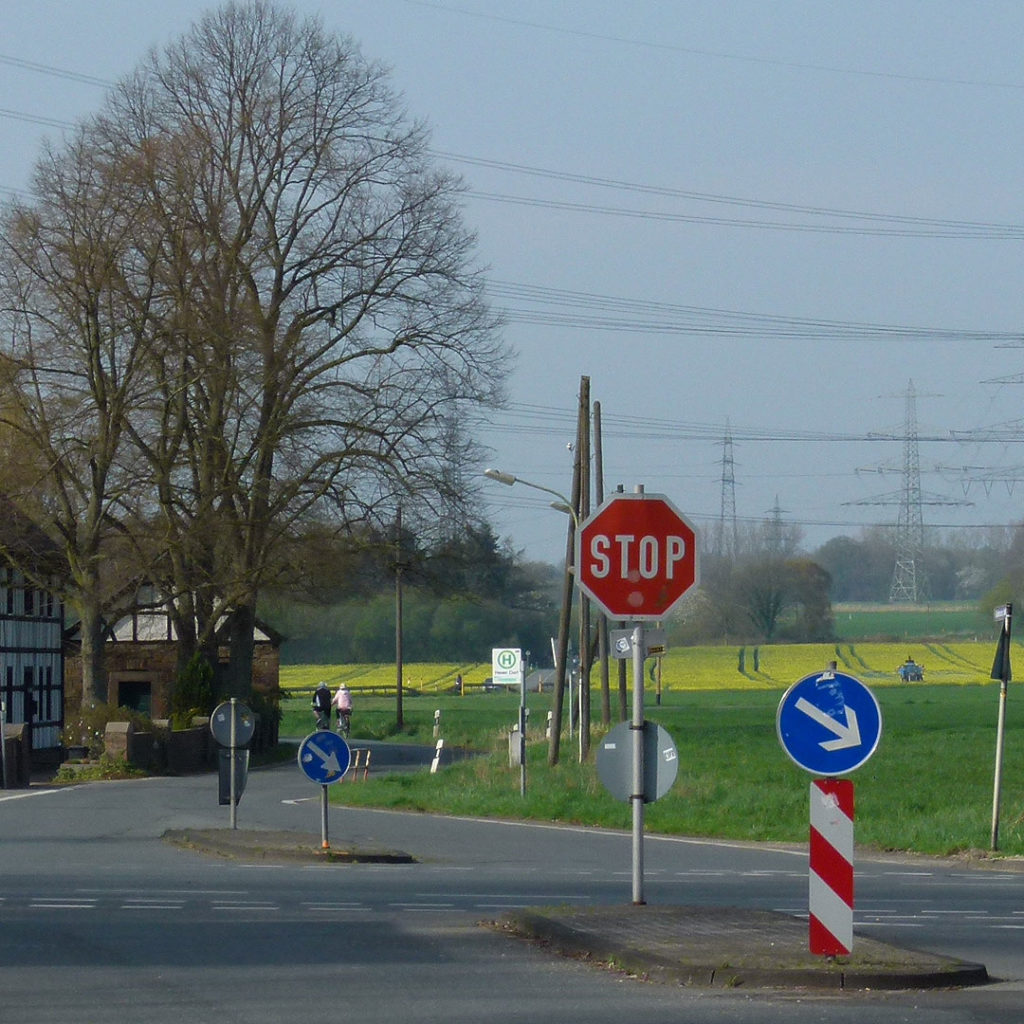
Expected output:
(765, 666)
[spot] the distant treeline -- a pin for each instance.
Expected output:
(433, 629)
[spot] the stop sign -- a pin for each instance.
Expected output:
(636, 556)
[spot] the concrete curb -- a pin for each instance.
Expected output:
(278, 847)
(729, 948)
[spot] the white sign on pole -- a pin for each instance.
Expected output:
(506, 666)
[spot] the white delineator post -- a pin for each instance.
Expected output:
(831, 867)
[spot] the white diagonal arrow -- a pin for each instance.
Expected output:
(330, 760)
(847, 735)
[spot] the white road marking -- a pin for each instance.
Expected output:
(30, 793)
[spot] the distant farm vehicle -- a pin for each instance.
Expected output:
(910, 672)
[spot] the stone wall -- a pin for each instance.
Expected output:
(18, 753)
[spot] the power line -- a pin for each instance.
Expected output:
(525, 418)
(671, 318)
(725, 55)
(49, 122)
(54, 71)
(621, 185)
(1008, 232)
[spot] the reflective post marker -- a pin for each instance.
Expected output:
(831, 867)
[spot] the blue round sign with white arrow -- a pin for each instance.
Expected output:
(324, 757)
(829, 724)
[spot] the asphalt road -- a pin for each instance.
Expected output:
(102, 921)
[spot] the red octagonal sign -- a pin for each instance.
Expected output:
(636, 556)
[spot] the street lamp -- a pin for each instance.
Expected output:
(562, 505)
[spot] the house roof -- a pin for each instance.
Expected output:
(154, 625)
(24, 545)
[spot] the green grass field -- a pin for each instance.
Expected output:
(928, 788)
(859, 622)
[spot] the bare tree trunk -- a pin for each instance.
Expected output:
(94, 674)
(238, 677)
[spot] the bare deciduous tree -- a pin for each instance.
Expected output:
(73, 287)
(307, 311)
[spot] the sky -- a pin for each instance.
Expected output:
(760, 220)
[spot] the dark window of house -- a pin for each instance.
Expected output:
(135, 695)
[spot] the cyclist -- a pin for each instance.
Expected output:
(322, 706)
(343, 704)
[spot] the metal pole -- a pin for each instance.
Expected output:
(637, 796)
(323, 817)
(572, 688)
(399, 625)
(232, 796)
(998, 784)
(1003, 663)
(3, 739)
(522, 727)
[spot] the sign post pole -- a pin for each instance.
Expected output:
(233, 747)
(637, 796)
(1001, 671)
(3, 740)
(324, 841)
(522, 727)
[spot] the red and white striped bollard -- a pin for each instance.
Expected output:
(831, 864)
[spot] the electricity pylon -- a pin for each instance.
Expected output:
(726, 530)
(909, 581)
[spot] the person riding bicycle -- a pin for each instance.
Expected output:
(322, 706)
(343, 703)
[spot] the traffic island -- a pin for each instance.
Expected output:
(728, 948)
(278, 847)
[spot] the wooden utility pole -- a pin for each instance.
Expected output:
(583, 510)
(399, 666)
(602, 619)
(562, 646)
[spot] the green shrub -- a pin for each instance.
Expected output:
(193, 692)
(101, 770)
(88, 727)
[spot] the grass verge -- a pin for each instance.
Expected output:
(927, 789)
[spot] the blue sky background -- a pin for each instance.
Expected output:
(719, 211)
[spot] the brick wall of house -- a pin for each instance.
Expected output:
(155, 662)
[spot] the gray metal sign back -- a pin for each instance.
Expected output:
(615, 762)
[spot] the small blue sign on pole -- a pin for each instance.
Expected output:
(829, 724)
(324, 757)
